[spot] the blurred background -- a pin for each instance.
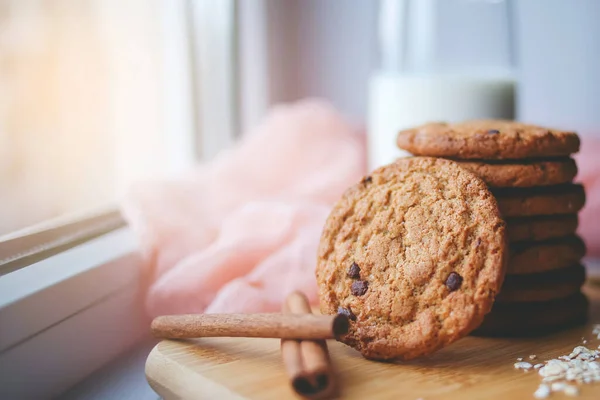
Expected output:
(95, 94)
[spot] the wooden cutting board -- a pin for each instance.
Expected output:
(472, 368)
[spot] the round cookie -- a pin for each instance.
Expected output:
(542, 286)
(533, 257)
(541, 228)
(543, 200)
(487, 139)
(534, 319)
(524, 173)
(414, 255)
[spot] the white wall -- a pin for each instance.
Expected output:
(322, 48)
(329, 47)
(559, 55)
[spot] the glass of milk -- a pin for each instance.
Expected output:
(439, 60)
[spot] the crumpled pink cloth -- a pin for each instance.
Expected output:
(241, 232)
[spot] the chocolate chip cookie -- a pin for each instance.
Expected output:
(544, 286)
(488, 140)
(532, 257)
(541, 228)
(414, 254)
(523, 173)
(543, 200)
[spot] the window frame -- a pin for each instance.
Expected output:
(72, 289)
(66, 315)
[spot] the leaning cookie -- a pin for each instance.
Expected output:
(414, 255)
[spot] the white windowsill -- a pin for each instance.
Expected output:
(122, 379)
(65, 316)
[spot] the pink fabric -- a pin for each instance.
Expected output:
(588, 162)
(238, 234)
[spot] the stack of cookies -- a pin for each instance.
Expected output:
(530, 171)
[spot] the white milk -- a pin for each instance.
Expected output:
(399, 101)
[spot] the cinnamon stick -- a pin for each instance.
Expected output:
(282, 326)
(307, 361)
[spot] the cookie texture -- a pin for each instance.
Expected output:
(544, 286)
(430, 250)
(534, 319)
(541, 228)
(487, 139)
(532, 257)
(544, 200)
(523, 173)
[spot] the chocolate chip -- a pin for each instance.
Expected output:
(493, 132)
(359, 288)
(367, 180)
(453, 281)
(347, 313)
(354, 271)
(478, 242)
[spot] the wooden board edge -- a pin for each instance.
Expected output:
(171, 380)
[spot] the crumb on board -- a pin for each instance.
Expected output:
(596, 331)
(523, 365)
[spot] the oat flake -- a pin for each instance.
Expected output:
(542, 392)
(571, 391)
